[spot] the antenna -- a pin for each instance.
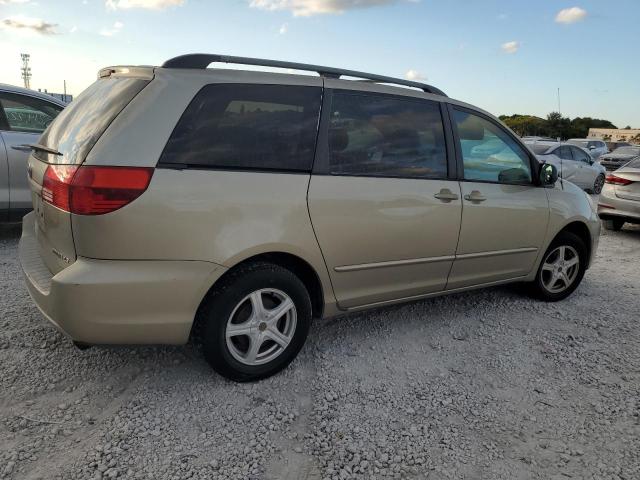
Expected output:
(559, 111)
(26, 70)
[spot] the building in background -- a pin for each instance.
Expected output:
(631, 135)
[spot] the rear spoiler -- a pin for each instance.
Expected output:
(143, 72)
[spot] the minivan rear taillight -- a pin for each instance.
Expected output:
(92, 190)
(615, 180)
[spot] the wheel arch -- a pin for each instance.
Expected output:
(297, 265)
(581, 230)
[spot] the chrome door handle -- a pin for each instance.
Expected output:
(446, 195)
(475, 196)
(22, 148)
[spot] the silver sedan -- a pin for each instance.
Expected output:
(620, 198)
(573, 163)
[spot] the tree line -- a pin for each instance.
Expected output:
(554, 126)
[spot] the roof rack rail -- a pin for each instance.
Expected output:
(202, 61)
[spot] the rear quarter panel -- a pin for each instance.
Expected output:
(217, 216)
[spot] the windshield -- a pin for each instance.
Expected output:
(76, 130)
(628, 150)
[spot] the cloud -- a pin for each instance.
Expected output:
(147, 4)
(306, 8)
(414, 75)
(571, 15)
(29, 24)
(110, 32)
(8, 2)
(283, 29)
(510, 47)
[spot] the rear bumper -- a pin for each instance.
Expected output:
(117, 301)
(611, 206)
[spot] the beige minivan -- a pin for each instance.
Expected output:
(236, 206)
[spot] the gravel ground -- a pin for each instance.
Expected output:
(488, 384)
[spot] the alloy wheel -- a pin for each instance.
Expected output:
(560, 269)
(261, 326)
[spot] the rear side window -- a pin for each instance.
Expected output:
(27, 114)
(376, 135)
(79, 126)
(238, 126)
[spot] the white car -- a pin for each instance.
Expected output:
(594, 147)
(573, 163)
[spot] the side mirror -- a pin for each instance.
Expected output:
(548, 174)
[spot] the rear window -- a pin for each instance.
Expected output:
(538, 149)
(240, 126)
(634, 163)
(79, 126)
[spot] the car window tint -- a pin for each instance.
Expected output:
(28, 114)
(264, 127)
(378, 135)
(489, 153)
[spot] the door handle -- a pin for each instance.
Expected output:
(475, 196)
(446, 195)
(22, 148)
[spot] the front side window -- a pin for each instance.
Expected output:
(489, 154)
(240, 126)
(377, 135)
(28, 114)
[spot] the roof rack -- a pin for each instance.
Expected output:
(202, 61)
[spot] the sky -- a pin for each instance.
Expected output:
(506, 56)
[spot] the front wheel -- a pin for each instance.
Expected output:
(562, 268)
(598, 184)
(255, 322)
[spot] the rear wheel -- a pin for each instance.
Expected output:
(255, 322)
(614, 224)
(598, 184)
(561, 269)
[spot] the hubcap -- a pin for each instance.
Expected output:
(597, 188)
(560, 269)
(261, 326)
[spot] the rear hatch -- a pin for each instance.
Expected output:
(65, 144)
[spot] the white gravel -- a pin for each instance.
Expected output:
(488, 384)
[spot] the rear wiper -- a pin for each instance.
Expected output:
(42, 148)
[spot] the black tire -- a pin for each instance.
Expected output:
(538, 289)
(221, 302)
(613, 224)
(598, 184)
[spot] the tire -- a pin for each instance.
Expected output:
(230, 309)
(614, 224)
(598, 184)
(543, 286)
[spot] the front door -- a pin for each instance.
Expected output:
(504, 214)
(384, 211)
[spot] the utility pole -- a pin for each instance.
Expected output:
(26, 70)
(559, 111)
